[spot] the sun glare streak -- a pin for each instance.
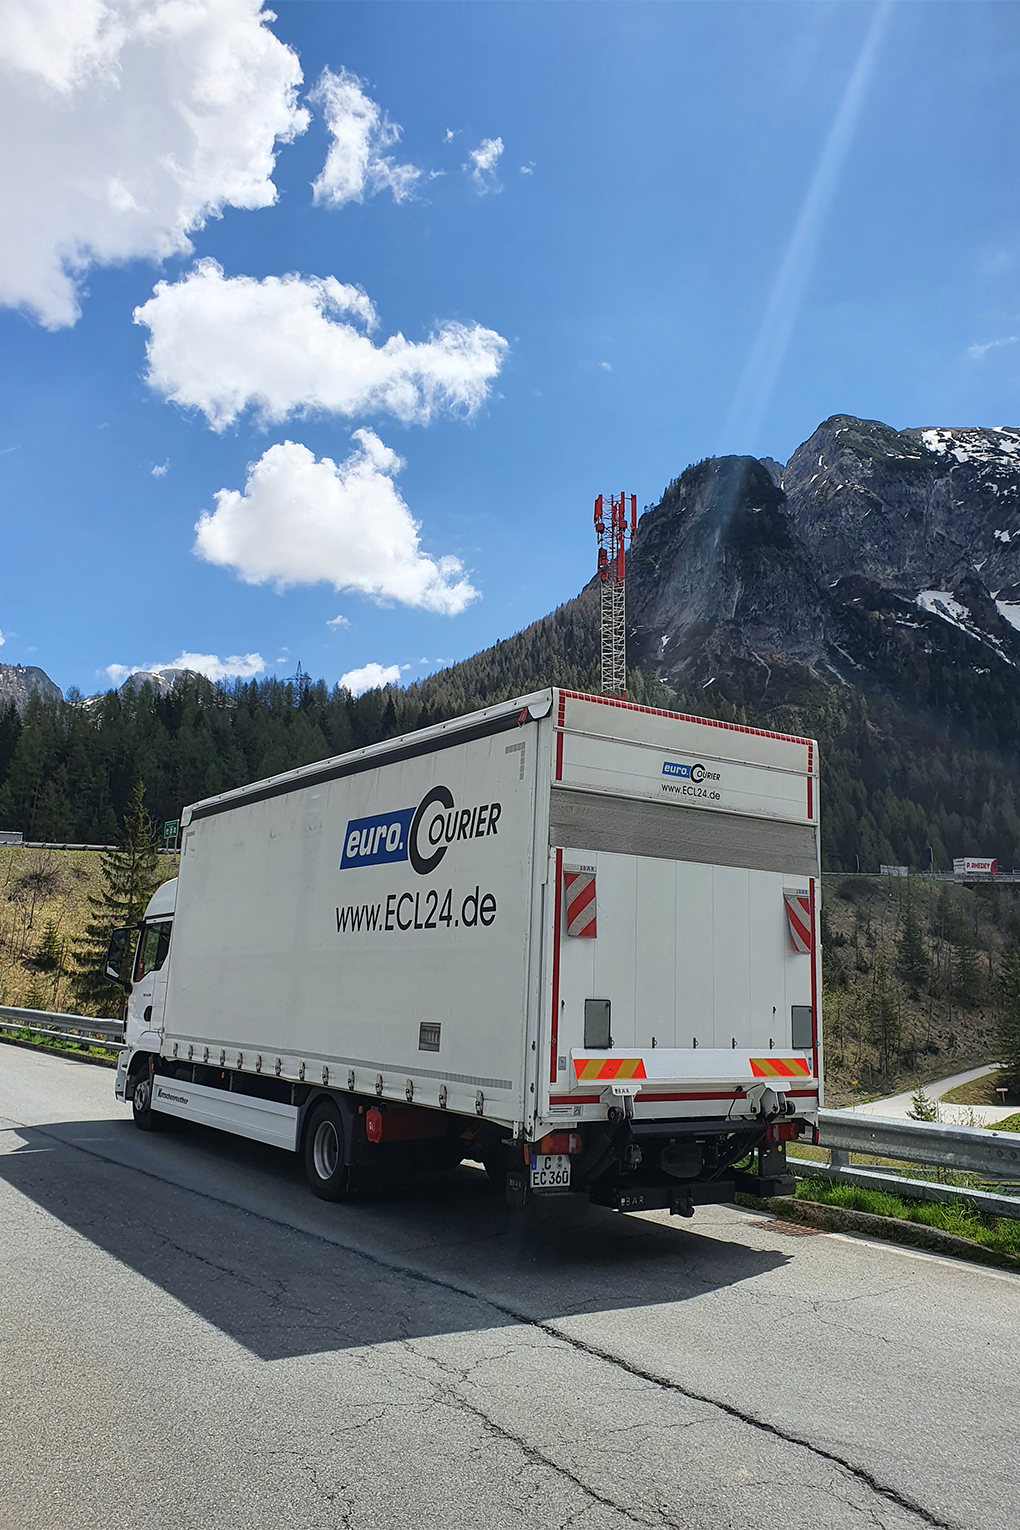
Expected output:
(776, 329)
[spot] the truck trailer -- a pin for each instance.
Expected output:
(567, 937)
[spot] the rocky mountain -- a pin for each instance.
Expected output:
(884, 560)
(19, 681)
(161, 680)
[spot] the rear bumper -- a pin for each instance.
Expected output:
(679, 1197)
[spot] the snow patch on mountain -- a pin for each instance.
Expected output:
(943, 603)
(999, 447)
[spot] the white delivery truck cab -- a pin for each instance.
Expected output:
(569, 937)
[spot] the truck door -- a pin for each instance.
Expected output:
(149, 978)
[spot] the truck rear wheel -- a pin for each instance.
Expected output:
(325, 1162)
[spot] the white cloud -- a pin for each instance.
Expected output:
(161, 469)
(606, 366)
(356, 165)
(977, 351)
(528, 169)
(451, 134)
(484, 163)
(338, 622)
(237, 667)
(288, 344)
(369, 678)
(300, 521)
(134, 122)
(2, 640)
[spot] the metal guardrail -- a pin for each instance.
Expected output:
(985, 1153)
(968, 1149)
(47, 844)
(1001, 1205)
(56, 1026)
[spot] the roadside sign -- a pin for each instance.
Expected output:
(171, 828)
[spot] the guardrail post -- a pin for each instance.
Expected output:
(839, 1158)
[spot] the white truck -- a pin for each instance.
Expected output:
(568, 937)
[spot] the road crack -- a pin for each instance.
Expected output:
(881, 1489)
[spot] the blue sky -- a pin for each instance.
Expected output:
(637, 234)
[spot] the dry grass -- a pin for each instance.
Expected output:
(980, 1091)
(37, 886)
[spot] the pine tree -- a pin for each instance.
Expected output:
(49, 953)
(130, 876)
(37, 996)
(966, 972)
(1007, 1026)
(912, 953)
(922, 1106)
(884, 1017)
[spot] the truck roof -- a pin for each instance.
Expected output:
(163, 900)
(504, 715)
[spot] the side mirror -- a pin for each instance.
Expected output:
(115, 955)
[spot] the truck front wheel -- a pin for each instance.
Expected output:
(325, 1164)
(147, 1119)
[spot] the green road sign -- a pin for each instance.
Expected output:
(170, 828)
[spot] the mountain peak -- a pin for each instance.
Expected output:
(20, 681)
(871, 546)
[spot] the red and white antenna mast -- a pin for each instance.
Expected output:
(614, 532)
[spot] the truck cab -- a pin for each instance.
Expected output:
(145, 986)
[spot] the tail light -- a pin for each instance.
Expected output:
(783, 1131)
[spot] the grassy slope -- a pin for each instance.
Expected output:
(940, 1030)
(37, 886)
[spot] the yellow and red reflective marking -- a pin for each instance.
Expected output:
(780, 1067)
(589, 1068)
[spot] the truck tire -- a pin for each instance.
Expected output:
(325, 1161)
(142, 1113)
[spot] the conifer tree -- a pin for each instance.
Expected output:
(884, 1017)
(966, 972)
(49, 953)
(1007, 1027)
(130, 875)
(912, 953)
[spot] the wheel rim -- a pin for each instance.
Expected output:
(140, 1099)
(325, 1150)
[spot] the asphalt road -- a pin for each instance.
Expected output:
(190, 1341)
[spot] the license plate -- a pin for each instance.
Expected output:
(550, 1171)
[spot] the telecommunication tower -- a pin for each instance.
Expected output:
(614, 532)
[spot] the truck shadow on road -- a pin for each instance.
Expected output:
(228, 1228)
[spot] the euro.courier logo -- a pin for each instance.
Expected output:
(421, 835)
(687, 772)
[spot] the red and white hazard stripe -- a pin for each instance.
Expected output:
(798, 914)
(579, 895)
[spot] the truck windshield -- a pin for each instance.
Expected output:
(152, 948)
